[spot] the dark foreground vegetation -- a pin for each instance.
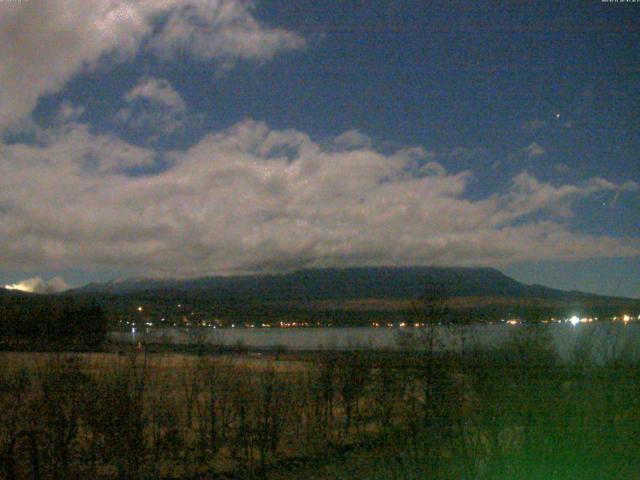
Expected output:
(47, 322)
(509, 413)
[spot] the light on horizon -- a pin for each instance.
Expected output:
(24, 286)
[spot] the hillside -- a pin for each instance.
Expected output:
(345, 296)
(340, 284)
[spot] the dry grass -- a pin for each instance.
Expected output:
(342, 414)
(159, 362)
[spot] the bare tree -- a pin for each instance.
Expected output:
(426, 313)
(192, 383)
(14, 416)
(117, 415)
(322, 384)
(353, 375)
(63, 388)
(273, 400)
(213, 407)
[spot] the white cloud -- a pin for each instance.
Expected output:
(528, 195)
(223, 30)
(601, 184)
(38, 285)
(533, 150)
(255, 199)
(43, 44)
(353, 139)
(69, 112)
(156, 90)
(155, 108)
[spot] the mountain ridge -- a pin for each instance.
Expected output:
(342, 283)
(356, 296)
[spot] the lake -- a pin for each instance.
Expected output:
(607, 339)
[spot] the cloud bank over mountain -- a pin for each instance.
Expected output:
(251, 199)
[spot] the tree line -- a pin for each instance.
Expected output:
(48, 320)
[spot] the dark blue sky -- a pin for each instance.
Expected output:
(491, 88)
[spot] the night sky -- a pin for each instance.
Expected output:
(180, 138)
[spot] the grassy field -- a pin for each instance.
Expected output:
(177, 363)
(511, 413)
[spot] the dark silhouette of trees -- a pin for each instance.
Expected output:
(52, 320)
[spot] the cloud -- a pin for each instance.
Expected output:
(68, 112)
(534, 150)
(254, 199)
(527, 196)
(157, 91)
(43, 45)
(38, 285)
(155, 108)
(221, 30)
(561, 168)
(353, 139)
(598, 184)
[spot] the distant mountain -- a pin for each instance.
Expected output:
(341, 296)
(339, 284)
(331, 296)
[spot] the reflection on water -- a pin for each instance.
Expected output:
(604, 340)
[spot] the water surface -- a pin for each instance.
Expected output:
(606, 340)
